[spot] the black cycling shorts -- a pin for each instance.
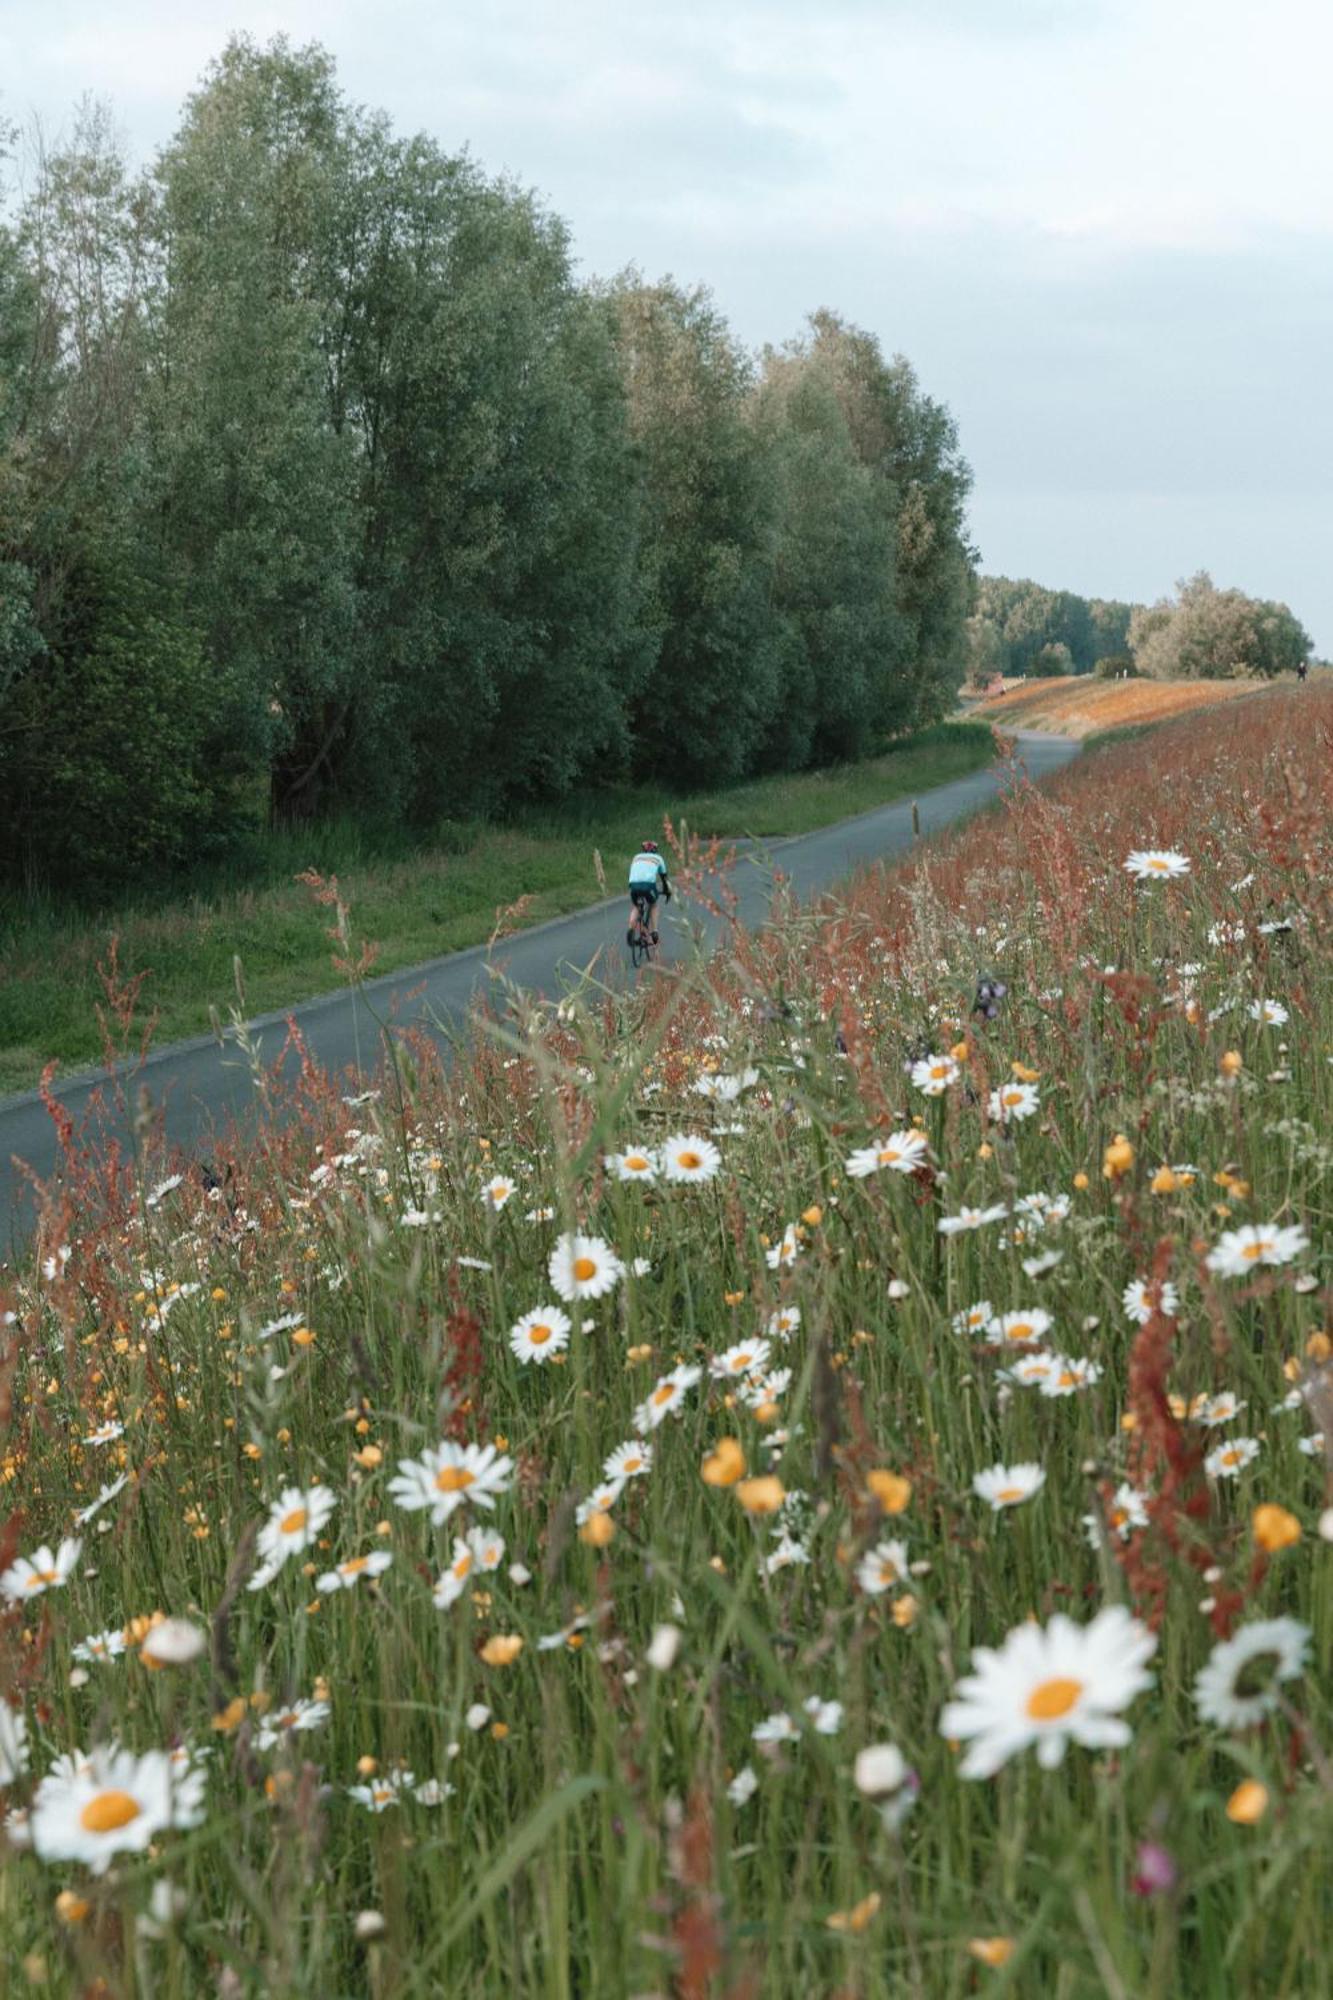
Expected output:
(644, 894)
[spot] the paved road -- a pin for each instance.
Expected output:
(201, 1086)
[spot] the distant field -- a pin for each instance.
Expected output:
(1078, 705)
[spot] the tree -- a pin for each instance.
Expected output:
(1215, 634)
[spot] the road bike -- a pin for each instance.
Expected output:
(641, 937)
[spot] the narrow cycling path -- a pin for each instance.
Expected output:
(201, 1086)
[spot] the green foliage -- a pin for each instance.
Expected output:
(1018, 627)
(1212, 634)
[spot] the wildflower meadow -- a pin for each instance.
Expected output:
(807, 1474)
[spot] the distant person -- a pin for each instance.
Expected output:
(1302, 670)
(647, 880)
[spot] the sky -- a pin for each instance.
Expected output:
(1101, 230)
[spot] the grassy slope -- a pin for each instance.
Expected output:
(1083, 706)
(415, 905)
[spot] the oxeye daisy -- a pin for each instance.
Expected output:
(44, 1570)
(349, 1573)
(666, 1398)
(686, 1157)
(454, 1581)
(1136, 1299)
(1271, 1012)
(1230, 1459)
(497, 1191)
(1238, 1251)
(1215, 1410)
(295, 1520)
(448, 1475)
(13, 1744)
(782, 1254)
(99, 1647)
(934, 1075)
(112, 1802)
(1027, 1323)
(1008, 1485)
(1069, 1374)
(280, 1724)
(628, 1461)
(1239, 1685)
(882, 1567)
(776, 1728)
(540, 1334)
(970, 1218)
(635, 1164)
(747, 1357)
(584, 1267)
(1157, 864)
(1031, 1370)
(900, 1153)
(105, 1433)
(1127, 1512)
(783, 1323)
(973, 1319)
(1050, 1686)
(1013, 1101)
(382, 1792)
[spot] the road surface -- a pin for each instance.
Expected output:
(201, 1086)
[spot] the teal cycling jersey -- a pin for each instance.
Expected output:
(644, 871)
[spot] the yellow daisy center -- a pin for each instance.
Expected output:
(292, 1524)
(539, 1335)
(664, 1393)
(741, 1363)
(1011, 1493)
(1020, 1330)
(1155, 861)
(461, 1565)
(637, 1164)
(453, 1479)
(584, 1268)
(108, 1811)
(1053, 1699)
(631, 1465)
(40, 1577)
(691, 1162)
(1231, 1457)
(888, 1154)
(1253, 1250)
(354, 1565)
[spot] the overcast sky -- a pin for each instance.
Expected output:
(1100, 229)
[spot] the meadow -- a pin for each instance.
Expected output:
(437, 891)
(1081, 705)
(809, 1477)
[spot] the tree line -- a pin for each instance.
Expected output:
(326, 487)
(1018, 628)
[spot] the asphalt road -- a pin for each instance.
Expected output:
(201, 1086)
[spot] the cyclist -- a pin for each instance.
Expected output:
(647, 878)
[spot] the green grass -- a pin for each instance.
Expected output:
(591, 1844)
(416, 903)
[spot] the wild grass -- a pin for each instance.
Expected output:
(345, 1302)
(420, 900)
(1081, 705)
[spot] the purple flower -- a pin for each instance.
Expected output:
(1155, 1872)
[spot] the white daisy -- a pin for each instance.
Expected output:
(747, 1357)
(1127, 1513)
(1008, 1485)
(1230, 1459)
(1026, 1323)
(584, 1267)
(383, 1791)
(448, 1475)
(1215, 1410)
(44, 1570)
(882, 1567)
(973, 1319)
(99, 1647)
(826, 1716)
(1137, 1303)
(628, 1461)
(785, 1251)
(900, 1153)
(112, 1802)
(667, 1397)
(783, 1323)
(106, 1495)
(1069, 1374)
(1049, 1686)
(934, 1075)
(106, 1433)
(777, 1728)
(687, 1157)
(600, 1501)
(1031, 1370)
(1239, 1685)
(497, 1191)
(1156, 864)
(540, 1333)
(295, 1519)
(635, 1164)
(1240, 1250)
(742, 1787)
(349, 1573)
(726, 1088)
(970, 1218)
(1271, 1012)
(13, 1744)
(1013, 1101)
(281, 1724)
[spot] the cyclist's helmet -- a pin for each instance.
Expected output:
(648, 847)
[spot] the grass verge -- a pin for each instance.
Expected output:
(417, 901)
